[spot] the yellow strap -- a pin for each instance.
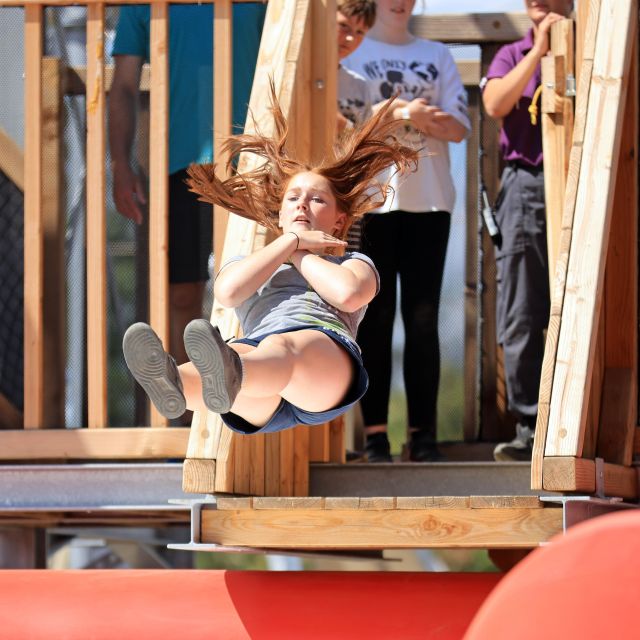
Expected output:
(533, 107)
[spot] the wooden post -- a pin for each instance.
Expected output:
(222, 105)
(589, 27)
(97, 361)
(557, 130)
(620, 403)
(33, 244)
(158, 181)
(585, 275)
(53, 230)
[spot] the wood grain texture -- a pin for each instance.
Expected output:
(594, 199)
(379, 529)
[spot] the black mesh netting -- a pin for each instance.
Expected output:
(11, 296)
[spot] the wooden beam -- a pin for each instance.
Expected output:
(159, 182)
(618, 417)
(136, 443)
(316, 528)
(33, 237)
(97, 360)
(471, 28)
(585, 275)
(562, 262)
(53, 231)
(557, 130)
(222, 105)
(11, 160)
(282, 39)
(568, 474)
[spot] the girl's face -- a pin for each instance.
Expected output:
(394, 14)
(538, 9)
(309, 203)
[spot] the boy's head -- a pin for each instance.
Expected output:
(354, 18)
(538, 9)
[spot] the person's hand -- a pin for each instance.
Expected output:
(429, 119)
(317, 242)
(541, 42)
(128, 192)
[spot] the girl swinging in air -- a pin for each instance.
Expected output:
(299, 308)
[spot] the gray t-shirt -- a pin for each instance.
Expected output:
(354, 99)
(287, 301)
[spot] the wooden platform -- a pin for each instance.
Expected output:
(346, 523)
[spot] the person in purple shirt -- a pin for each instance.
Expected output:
(521, 259)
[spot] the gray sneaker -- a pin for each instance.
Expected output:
(154, 369)
(219, 366)
(519, 449)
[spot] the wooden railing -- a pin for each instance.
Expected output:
(296, 52)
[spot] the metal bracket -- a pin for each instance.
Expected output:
(570, 86)
(576, 509)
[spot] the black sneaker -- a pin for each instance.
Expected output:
(154, 369)
(422, 448)
(218, 364)
(377, 448)
(519, 449)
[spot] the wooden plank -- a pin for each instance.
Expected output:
(227, 503)
(505, 502)
(471, 421)
(618, 417)
(225, 460)
(134, 443)
(371, 529)
(319, 444)
(492, 395)
(585, 275)
(272, 464)
(33, 237)
(340, 502)
(257, 461)
(594, 397)
(286, 463)
(433, 502)
(568, 474)
(53, 230)
(471, 28)
(562, 262)
(301, 461)
(337, 448)
(222, 105)
(242, 464)
(198, 476)
(11, 160)
(159, 181)
(97, 361)
(621, 292)
(557, 131)
(279, 51)
(288, 503)
(377, 503)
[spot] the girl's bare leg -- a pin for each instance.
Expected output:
(306, 367)
(255, 410)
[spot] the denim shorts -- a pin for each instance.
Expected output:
(287, 415)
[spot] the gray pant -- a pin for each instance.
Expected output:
(523, 285)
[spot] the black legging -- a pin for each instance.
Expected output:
(414, 246)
